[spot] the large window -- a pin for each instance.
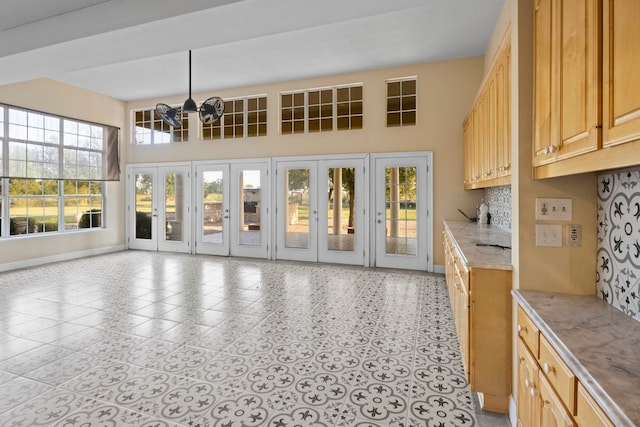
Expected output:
(52, 170)
(401, 102)
(242, 117)
(321, 110)
(150, 129)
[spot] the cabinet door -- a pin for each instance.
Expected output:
(552, 412)
(578, 50)
(503, 113)
(528, 400)
(469, 135)
(621, 68)
(461, 311)
(542, 82)
(490, 142)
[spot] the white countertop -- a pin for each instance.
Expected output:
(467, 235)
(600, 344)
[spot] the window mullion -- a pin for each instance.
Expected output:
(61, 225)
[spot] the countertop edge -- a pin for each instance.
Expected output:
(611, 409)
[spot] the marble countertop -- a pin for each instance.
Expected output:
(600, 344)
(467, 235)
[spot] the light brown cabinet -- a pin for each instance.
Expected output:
(621, 69)
(549, 394)
(552, 411)
(527, 398)
(487, 127)
(588, 413)
(481, 304)
(586, 91)
(566, 77)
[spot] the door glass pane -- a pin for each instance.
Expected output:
(297, 219)
(341, 209)
(249, 208)
(401, 230)
(173, 203)
(144, 202)
(212, 194)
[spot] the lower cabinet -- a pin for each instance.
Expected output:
(552, 411)
(481, 304)
(549, 394)
(527, 399)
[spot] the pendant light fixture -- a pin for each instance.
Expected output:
(210, 110)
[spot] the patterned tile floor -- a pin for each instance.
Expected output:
(154, 339)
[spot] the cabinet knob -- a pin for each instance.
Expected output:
(546, 368)
(526, 382)
(522, 328)
(532, 392)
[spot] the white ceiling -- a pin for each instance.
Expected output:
(137, 49)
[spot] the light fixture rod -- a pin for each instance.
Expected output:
(189, 73)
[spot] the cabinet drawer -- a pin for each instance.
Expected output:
(558, 374)
(528, 332)
(588, 413)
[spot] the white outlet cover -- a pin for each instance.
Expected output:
(548, 209)
(549, 235)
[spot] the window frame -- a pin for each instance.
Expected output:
(217, 131)
(307, 129)
(172, 131)
(401, 111)
(87, 137)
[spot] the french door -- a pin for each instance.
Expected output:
(403, 233)
(159, 207)
(232, 209)
(320, 210)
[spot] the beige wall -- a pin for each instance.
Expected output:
(567, 270)
(57, 98)
(445, 93)
(504, 19)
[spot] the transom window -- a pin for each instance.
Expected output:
(401, 102)
(321, 110)
(349, 107)
(292, 107)
(257, 116)
(246, 116)
(150, 129)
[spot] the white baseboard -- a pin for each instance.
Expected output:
(512, 411)
(32, 262)
(438, 268)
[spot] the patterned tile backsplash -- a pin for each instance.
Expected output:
(618, 250)
(499, 201)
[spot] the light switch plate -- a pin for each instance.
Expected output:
(549, 235)
(554, 209)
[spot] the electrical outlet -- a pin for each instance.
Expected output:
(554, 209)
(549, 235)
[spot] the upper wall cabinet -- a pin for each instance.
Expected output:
(621, 71)
(586, 91)
(566, 113)
(487, 127)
